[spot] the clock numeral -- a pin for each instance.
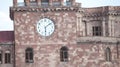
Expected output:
(52, 27)
(44, 20)
(38, 23)
(49, 33)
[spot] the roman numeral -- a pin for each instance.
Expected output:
(38, 23)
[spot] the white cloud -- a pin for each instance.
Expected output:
(5, 22)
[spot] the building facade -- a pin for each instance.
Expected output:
(60, 33)
(6, 48)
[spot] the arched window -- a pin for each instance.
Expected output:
(7, 57)
(29, 55)
(0, 57)
(108, 54)
(64, 54)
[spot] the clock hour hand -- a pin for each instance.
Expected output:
(45, 31)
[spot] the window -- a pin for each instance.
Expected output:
(29, 55)
(0, 57)
(64, 54)
(96, 30)
(7, 57)
(108, 54)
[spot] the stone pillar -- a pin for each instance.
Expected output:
(85, 29)
(112, 28)
(14, 3)
(81, 26)
(103, 27)
(39, 2)
(50, 2)
(109, 28)
(78, 26)
(88, 28)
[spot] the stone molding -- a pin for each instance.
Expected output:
(40, 9)
(33, 9)
(100, 40)
(7, 43)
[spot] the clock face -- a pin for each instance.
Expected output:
(45, 27)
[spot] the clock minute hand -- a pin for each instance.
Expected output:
(48, 25)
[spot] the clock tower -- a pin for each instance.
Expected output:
(45, 32)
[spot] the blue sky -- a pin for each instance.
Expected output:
(7, 24)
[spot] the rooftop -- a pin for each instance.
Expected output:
(6, 36)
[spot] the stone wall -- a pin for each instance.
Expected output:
(84, 49)
(46, 49)
(4, 48)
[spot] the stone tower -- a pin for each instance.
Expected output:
(44, 51)
(59, 33)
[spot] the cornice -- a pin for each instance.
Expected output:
(44, 9)
(40, 9)
(6, 43)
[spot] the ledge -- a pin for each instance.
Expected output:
(6, 43)
(40, 9)
(34, 9)
(95, 39)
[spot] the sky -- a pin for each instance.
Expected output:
(7, 24)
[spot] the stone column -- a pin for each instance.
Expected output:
(109, 28)
(85, 22)
(78, 26)
(103, 27)
(80, 31)
(88, 28)
(39, 2)
(14, 3)
(112, 27)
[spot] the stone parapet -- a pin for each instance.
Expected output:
(102, 11)
(41, 9)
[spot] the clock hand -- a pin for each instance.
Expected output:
(48, 25)
(45, 31)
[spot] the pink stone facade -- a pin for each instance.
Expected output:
(6, 45)
(73, 29)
